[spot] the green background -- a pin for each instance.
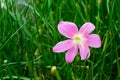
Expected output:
(28, 32)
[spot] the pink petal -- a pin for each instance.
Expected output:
(84, 52)
(67, 29)
(71, 53)
(93, 40)
(63, 46)
(87, 28)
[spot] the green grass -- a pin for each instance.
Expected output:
(28, 32)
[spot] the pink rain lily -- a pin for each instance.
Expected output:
(78, 40)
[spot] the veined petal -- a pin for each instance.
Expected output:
(84, 52)
(87, 28)
(67, 29)
(71, 53)
(63, 46)
(93, 40)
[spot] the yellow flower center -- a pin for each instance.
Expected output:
(79, 39)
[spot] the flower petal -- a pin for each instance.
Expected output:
(84, 52)
(93, 40)
(71, 53)
(63, 46)
(87, 28)
(67, 29)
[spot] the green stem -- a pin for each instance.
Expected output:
(118, 63)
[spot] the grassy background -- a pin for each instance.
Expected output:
(28, 31)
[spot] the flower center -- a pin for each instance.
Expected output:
(79, 39)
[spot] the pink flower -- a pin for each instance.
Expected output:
(78, 40)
